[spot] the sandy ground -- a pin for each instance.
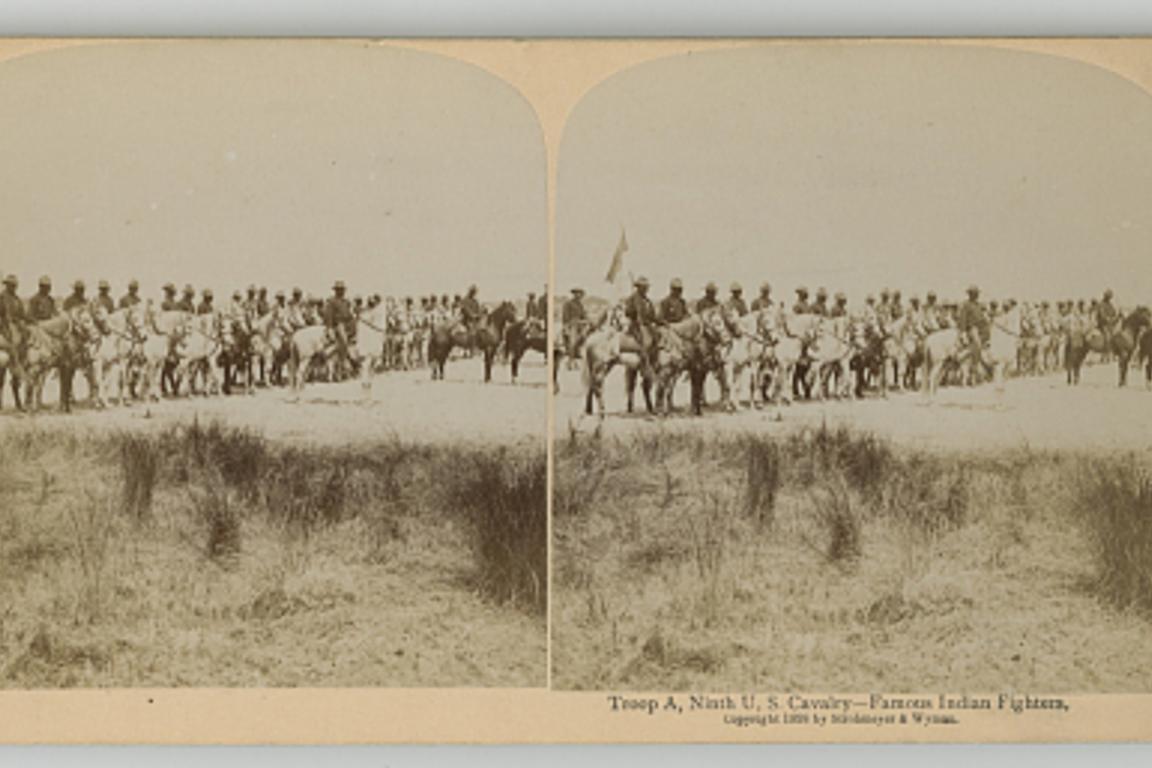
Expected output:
(1040, 412)
(405, 404)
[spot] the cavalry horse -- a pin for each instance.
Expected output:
(159, 348)
(748, 353)
(520, 336)
(606, 346)
(1120, 342)
(942, 349)
(372, 338)
(305, 345)
(200, 349)
(792, 333)
(57, 344)
(485, 337)
(113, 353)
(694, 345)
(12, 363)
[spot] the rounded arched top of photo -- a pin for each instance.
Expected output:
(381, 165)
(861, 165)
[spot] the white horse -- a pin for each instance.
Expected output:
(831, 353)
(747, 353)
(162, 333)
(305, 345)
(200, 349)
(114, 353)
(371, 337)
(792, 334)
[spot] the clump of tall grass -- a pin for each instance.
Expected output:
(218, 515)
(505, 496)
(710, 529)
(865, 460)
(139, 468)
(763, 478)
(238, 455)
(928, 493)
(582, 467)
(839, 520)
(92, 525)
(1116, 501)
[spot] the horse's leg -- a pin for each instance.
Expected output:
(514, 362)
(630, 386)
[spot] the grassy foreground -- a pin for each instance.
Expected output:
(831, 560)
(208, 556)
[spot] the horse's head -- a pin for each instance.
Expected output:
(714, 326)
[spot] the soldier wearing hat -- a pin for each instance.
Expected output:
(641, 317)
(340, 320)
(840, 308)
(764, 300)
(820, 306)
(471, 312)
(13, 316)
(103, 298)
(169, 304)
(736, 303)
(1106, 315)
(42, 306)
(542, 305)
(205, 307)
(709, 300)
(263, 306)
(673, 308)
(932, 314)
(895, 308)
(973, 321)
(295, 311)
(574, 318)
(801, 307)
(77, 298)
(132, 298)
(187, 302)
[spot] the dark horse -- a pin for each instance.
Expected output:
(692, 346)
(1120, 343)
(521, 336)
(12, 363)
(485, 337)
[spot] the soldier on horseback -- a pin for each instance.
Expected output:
(575, 320)
(205, 307)
(840, 308)
(709, 299)
(42, 306)
(471, 313)
(132, 298)
(820, 307)
(169, 304)
(801, 306)
(764, 300)
(187, 302)
(974, 324)
(103, 298)
(76, 299)
(641, 315)
(673, 308)
(339, 320)
(1107, 316)
(736, 304)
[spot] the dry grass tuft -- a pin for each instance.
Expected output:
(139, 467)
(505, 495)
(1116, 500)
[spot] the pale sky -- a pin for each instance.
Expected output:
(225, 162)
(859, 167)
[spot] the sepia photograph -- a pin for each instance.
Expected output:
(273, 369)
(854, 375)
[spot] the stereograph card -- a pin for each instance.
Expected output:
(575, 390)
